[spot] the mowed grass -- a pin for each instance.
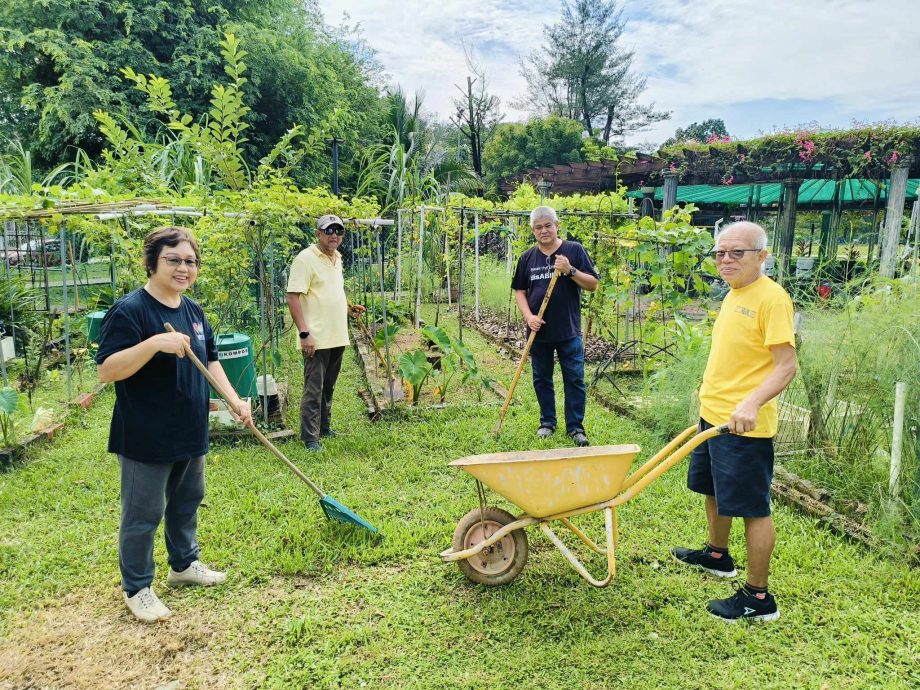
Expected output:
(315, 604)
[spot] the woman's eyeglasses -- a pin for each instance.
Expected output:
(736, 254)
(334, 230)
(176, 261)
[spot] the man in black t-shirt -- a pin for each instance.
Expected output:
(559, 330)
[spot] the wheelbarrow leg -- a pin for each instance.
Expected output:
(609, 524)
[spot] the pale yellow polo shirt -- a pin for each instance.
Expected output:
(321, 284)
(751, 320)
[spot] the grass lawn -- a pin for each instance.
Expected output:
(314, 604)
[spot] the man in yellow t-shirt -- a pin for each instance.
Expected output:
(751, 362)
(318, 305)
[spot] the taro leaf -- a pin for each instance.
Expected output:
(9, 400)
(466, 356)
(391, 330)
(439, 337)
(414, 368)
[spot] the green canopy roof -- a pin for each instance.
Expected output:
(811, 193)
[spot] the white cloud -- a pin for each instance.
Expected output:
(857, 56)
(421, 43)
(828, 60)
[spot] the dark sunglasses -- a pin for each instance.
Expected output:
(736, 254)
(334, 230)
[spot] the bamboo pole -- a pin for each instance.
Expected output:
(476, 221)
(897, 438)
(418, 274)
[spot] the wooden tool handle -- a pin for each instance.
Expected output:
(520, 366)
(258, 434)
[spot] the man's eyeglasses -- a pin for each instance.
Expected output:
(334, 230)
(176, 261)
(736, 254)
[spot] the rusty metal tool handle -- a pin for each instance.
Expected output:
(255, 432)
(520, 366)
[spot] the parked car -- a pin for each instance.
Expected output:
(45, 252)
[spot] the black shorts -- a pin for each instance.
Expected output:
(737, 470)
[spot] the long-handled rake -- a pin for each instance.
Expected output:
(331, 507)
(520, 366)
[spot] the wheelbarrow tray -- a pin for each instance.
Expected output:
(549, 482)
(489, 544)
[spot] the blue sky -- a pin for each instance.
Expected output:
(758, 65)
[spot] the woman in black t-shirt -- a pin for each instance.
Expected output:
(159, 424)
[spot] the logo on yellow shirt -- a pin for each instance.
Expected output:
(744, 311)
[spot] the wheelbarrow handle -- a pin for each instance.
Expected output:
(666, 458)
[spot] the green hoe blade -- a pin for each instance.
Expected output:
(336, 511)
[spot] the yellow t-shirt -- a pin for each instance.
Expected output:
(751, 320)
(321, 285)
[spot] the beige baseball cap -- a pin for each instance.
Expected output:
(325, 221)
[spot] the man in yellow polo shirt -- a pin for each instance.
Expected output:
(751, 362)
(318, 305)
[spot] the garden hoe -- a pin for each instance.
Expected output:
(394, 390)
(520, 366)
(331, 507)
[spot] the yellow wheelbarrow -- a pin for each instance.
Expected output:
(490, 545)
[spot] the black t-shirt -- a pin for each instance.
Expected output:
(161, 411)
(563, 312)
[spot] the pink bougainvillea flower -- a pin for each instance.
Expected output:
(893, 158)
(742, 158)
(730, 179)
(672, 167)
(867, 155)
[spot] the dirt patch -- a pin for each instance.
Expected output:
(91, 641)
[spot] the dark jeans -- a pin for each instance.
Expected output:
(148, 491)
(320, 373)
(572, 363)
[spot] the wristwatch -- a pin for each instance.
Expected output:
(572, 272)
(304, 334)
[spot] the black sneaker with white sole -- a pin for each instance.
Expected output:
(720, 565)
(745, 605)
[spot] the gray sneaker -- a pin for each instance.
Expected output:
(545, 431)
(146, 606)
(580, 438)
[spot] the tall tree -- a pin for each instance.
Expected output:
(60, 61)
(542, 141)
(698, 131)
(477, 113)
(584, 74)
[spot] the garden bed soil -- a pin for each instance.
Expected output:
(407, 340)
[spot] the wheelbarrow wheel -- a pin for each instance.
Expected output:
(498, 564)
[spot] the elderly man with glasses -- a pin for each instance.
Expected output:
(559, 331)
(751, 362)
(318, 305)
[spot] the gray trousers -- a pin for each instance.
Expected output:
(148, 492)
(320, 373)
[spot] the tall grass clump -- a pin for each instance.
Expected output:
(849, 363)
(671, 392)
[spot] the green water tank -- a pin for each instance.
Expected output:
(234, 352)
(93, 322)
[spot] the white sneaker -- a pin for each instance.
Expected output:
(196, 574)
(146, 606)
